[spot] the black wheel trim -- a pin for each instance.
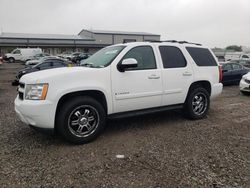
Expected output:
(199, 103)
(83, 121)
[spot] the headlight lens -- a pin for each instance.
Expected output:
(36, 91)
(246, 80)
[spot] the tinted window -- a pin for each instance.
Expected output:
(201, 56)
(227, 67)
(245, 56)
(172, 57)
(144, 56)
(58, 63)
(44, 65)
(236, 67)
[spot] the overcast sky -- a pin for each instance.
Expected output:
(211, 22)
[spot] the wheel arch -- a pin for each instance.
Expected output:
(95, 94)
(201, 83)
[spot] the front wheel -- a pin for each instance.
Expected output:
(11, 60)
(197, 103)
(81, 120)
(245, 93)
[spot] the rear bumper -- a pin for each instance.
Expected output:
(216, 90)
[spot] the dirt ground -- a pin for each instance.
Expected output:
(160, 150)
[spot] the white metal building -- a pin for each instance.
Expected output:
(85, 41)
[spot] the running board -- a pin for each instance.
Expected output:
(144, 111)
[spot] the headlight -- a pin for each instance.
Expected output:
(246, 80)
(36, 91)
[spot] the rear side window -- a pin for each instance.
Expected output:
(202, 56)
(236, 66)
(172, 57)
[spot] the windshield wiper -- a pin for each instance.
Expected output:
(87, 64)
(91, 65)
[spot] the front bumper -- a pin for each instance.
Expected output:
(40, 114)
(244, 86)
(216, 90)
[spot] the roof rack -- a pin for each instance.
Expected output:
(185, 42)
(175, 41)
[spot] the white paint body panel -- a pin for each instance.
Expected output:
(124, 91)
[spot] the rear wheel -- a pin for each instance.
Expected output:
(197, 103)
(81, 120)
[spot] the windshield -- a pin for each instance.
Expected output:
(103, 57)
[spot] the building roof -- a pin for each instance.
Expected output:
(43, 36)
(119, 32)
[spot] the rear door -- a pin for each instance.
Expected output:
(177, 74)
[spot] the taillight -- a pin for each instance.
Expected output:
(220, 73)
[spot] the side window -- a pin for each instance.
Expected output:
(236, 66)
(227, 67)
(58, 63)
(245, 56)
(172, 57)
(144, 56)
(45, 65)
(17, 52)
(201, 56)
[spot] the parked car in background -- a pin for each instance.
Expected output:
(22, 54)
(245, 63)
(78, 58)
(38, 56)
(48, 63)
(39, 60)
(245, 84)
(236, 56)
(232, 73)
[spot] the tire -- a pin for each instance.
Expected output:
(245, 93)
(197, 103)
(80, 120)
(11, 60)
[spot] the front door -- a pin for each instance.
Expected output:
(140, 87)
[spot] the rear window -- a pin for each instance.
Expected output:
(202, 56)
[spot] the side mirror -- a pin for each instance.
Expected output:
(126, 64)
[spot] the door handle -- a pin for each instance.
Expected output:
(187, 74)
(153, 77)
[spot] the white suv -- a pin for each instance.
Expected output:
(120, 80)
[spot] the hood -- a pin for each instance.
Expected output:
(57, 73)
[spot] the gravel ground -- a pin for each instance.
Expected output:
(160, 150)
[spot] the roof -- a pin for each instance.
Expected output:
(119, 32)
(44, 36)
